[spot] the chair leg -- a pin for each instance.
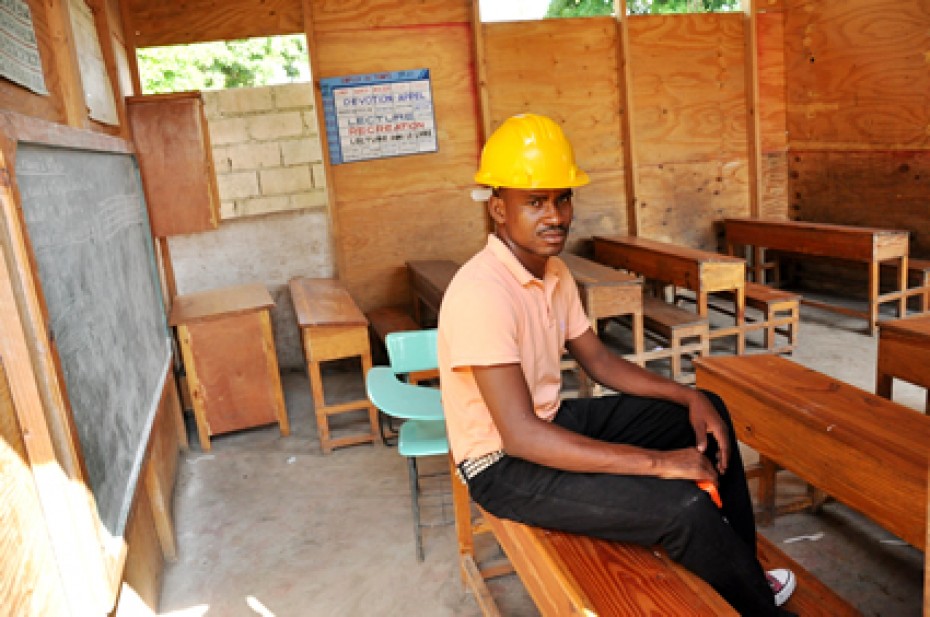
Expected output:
(415, 502)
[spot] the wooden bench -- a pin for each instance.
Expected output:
(918, 281)
(903, 353)
(685, 333)
(861, 449)
(332, 328)
(606, 292)
(567, 574)
(781, 314)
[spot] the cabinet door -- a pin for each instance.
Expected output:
(173, 146)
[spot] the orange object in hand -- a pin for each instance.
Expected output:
(711, 489)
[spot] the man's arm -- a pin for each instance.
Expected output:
(526, 436)
(609, 369)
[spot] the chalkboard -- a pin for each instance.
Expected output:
(86, 219)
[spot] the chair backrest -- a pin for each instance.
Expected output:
(412, 351)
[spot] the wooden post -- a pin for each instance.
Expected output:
(336, 247)
(480, 75)
(625, 82)
(65, 60)
(753, 125)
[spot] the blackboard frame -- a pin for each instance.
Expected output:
(91, 558)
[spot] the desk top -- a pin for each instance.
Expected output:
(592, 274)
(324, 302)
(819, 239)
(219, 303)
(917, 325)
(438, 272)
(669, 249)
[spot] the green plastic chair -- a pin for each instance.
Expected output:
(423, 432)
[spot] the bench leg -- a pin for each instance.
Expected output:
(769, 329)
(767, 487)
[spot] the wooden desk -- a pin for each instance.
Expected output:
(606, 292)
(332, 327)
(863, 244)
(703, 272)
(428, 282)
(903, 353)
(229, 356)
(865, 451)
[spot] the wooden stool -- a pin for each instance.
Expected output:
(229, 355)
(332, 328)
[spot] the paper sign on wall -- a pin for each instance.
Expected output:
(379, 115)
(19, 52)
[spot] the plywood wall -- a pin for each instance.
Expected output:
(568, 70)
(858, 108)
(29, 581)
(689, 115)
(389, 211)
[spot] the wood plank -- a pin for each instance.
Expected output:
(219, 303)
(863, 450)
(852, 73)
(235, 386)
(159, 23)
(30, 583)
(334, 15)
(568, 574)
(324, 302)
(688, 87)
(811, 598)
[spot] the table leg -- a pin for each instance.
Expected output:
(639, 346)
(873, 297)
(740, 321)
(902, 286)
(372, 410)
(319, 404)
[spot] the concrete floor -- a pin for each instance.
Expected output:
(267, 525)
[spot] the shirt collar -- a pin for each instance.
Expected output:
(517, 269)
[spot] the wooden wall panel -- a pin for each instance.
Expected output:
(141, 583)
(857, 73)
(773, 203)
(155, 22)
(858, 108)
(388, 211)
(679, 202)
(689, 104)
(29, 579)
(567, 69)
(335, 15)
(874, 189)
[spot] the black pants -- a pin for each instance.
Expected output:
(719, 545)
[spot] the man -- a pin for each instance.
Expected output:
(620, 467)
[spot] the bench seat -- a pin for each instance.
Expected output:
(567, 574)
(684, 332)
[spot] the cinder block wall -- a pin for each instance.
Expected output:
(268, 158)
(266, 149)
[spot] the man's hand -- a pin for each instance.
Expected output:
(684, 464)
(705, 420)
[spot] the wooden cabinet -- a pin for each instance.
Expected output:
(173, 146)
(229, 356)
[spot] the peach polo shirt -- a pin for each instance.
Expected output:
(495, 312)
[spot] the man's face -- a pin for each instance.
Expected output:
(533, 222)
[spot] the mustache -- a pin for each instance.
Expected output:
(547, 228)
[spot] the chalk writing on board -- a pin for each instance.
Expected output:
(87, 223)
(19, 52)
(379, 115)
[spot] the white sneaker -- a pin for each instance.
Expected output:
(782, 581)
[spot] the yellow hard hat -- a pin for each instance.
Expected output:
(529, 151)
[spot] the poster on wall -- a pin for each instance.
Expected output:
(19, 52)
(379, 115)
(98, 93)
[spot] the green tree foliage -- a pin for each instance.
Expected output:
(586, 8)
(224, 64)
